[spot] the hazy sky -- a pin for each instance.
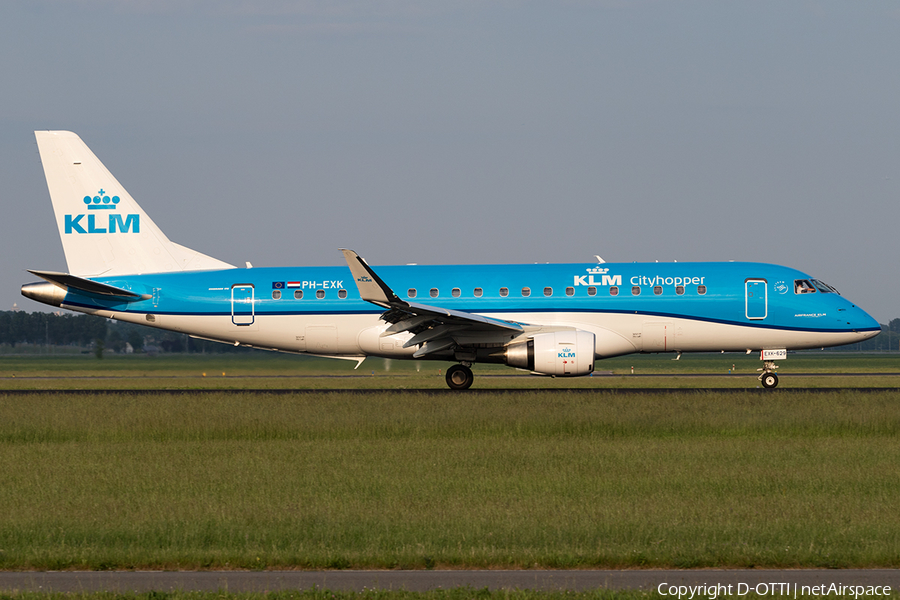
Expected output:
(470, 131)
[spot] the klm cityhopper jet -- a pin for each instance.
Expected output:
(548, 319)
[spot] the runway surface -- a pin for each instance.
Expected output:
(448, 392)
(596, 374)
(260, 581)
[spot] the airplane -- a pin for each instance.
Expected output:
(548, 319)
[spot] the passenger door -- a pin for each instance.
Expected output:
(242, 305)
(756, 301)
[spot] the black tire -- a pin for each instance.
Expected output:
(769, 380)
(460, 377)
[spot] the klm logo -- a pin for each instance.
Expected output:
(566, 353)
(602, 277)
(94, 222)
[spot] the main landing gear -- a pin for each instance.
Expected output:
(768, 377)
(460, 377)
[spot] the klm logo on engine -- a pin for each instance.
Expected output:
(566, 353)
(97, 222)
(602, 277)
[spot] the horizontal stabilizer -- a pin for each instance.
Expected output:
(66, 281)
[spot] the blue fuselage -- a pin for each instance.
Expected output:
(755, 300)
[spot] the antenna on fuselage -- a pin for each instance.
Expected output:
(599, 260)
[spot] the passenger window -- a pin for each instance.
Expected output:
(679, 289)
(433, 292)
(526, 291)
(298, 294)
(701, 289)
(342, 294)
(613, 290)
(548, 291)
(504, 292)
(478, 292)
(570, 291)
(803, 286)
(411, 293)
(320, 294)
(276, 294)
(455, 292)
(657, 290)
(592, 291)
(636, 291)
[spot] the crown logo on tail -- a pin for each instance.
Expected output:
(101, 201)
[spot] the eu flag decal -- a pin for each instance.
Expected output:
(277, 285)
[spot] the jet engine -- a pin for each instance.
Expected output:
(560, 353)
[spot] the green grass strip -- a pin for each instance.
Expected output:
(527, 480)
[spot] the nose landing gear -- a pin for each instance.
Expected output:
(768, 377)
(460, 377)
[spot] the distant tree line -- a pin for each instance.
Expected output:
(888, 340)
(92, 333)
(20, 327)
(89, 332)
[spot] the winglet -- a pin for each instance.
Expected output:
(371, 287)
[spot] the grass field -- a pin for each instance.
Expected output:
(521, 479)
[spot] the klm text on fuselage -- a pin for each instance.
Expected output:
(607, 280)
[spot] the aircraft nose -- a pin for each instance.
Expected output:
(864, 323)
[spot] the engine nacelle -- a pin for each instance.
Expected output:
(560, 353)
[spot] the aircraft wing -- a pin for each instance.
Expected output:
(434, 328)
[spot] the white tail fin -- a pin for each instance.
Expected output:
(103, 230)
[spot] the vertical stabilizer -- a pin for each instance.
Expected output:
(103, 230)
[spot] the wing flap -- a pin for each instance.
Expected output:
(406, 325)
(434, 346)
(432, 333)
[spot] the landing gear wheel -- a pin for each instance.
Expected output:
(460, 377)
(769, 380)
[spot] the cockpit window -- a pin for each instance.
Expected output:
(803, 286)
(824, 287)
